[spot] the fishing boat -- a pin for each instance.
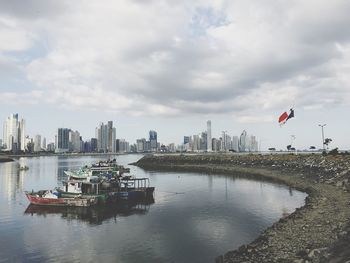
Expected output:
(108, 189)
(53, 198)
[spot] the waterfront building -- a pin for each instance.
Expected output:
(106, 137)
(75, 141)
(93, 144)
(43, 146)
(62, 140)
(123, 146)
(141, 145)
(216, 144)
(196, 143)
(187, 139)
(171, 147)
(226, 142)
(153, 140)
(209, 141)
(203, 142)
(14, 134)
(243, 142)
(37, 143)
(235, 143)
(253, 143)
(51, 147)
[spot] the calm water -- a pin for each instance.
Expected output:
(194, 217)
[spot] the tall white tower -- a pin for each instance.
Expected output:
(209, 146)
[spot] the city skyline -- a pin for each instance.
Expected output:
(178, 65)
(106, 140)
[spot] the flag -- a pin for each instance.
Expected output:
(285, 116)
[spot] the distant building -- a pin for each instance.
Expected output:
(196, 143)
(235, 143)
(43, 146)
(203, 142)
(14, 134)
(153, 140)
(51, 147)
(209, 141)
(243, 142)
(216, 144)
(141, 145)
(106, 137)
(75, 141)
(93, 143)
(171, 147)
(123, 146)
(37, 143)
(187, 139)
(62, 140)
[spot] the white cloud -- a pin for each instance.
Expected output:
(170, 58)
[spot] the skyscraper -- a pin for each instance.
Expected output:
(243, 142)
(62, 143)
(37, 143)
(13, 137)
(209, 141)
(153, 140)
(106, 137)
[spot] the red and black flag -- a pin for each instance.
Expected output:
(285, 116)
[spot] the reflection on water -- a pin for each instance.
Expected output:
(193, 218)
(93, 215)
(11, 180)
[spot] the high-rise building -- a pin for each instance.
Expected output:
(187, 139)
(93, 143)
(51, 147)
(74, 141)
(106, 137)
(43, 146)
(13, 136)
(153, 140)
(203, 141)
(243, 142)
(141, 145)
(123, 146)
(62, 140)
(209, 141)
(235, 143)
(37, 143)
(196, 143)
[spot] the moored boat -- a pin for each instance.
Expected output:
(53, 198)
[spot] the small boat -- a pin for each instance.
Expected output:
(23, 168)
(53, 198)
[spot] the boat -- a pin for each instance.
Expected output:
(108, 189)
(53, 198)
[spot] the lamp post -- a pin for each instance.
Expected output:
(322, 125)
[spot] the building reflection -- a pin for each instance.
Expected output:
(11, 179)
(93, 215)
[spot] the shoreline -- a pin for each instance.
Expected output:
(316, 232)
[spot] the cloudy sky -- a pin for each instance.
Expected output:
(172, 65)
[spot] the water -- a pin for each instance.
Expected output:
(194, 218)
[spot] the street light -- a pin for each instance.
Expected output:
(322, 125)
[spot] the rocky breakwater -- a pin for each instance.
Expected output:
(317, 232)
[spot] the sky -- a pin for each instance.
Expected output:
(172, 65)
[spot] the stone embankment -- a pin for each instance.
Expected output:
(317, 232)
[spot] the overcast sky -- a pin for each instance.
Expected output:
(172, 65)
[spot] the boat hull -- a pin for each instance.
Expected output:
(77, 201)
